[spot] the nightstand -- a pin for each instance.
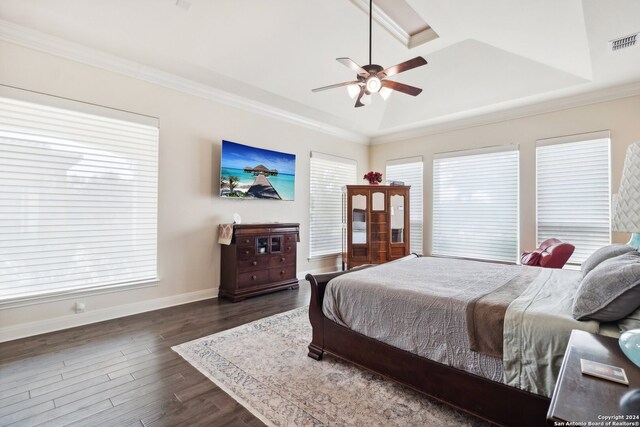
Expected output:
(580, 398)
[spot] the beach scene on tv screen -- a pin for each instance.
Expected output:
(255, 173)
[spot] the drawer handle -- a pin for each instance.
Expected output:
(282, 259)
(246, 241)
(255, 263)
(282, 272)
(288, 248)
(246, 252)
(254, 277)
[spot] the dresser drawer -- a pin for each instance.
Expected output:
(278, 260)
(253, 263)
(246, 252)
(282, 273)
(245, 241)
(289, 247)
(253, 278)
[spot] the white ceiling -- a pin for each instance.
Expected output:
(491, 55)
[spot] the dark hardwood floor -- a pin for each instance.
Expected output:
(123, 372)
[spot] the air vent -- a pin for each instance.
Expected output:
(623, 42)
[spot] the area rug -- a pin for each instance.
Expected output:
(264, 366)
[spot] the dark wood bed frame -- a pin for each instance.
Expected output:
(492, 401)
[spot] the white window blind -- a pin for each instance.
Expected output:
(78, 200)
(475, 204)
(574, 192)
(328, 175)
(410, 172)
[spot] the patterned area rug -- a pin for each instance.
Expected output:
(264, 366)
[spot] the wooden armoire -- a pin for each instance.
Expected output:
(377, 224)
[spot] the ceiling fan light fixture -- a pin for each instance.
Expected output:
(373, 84)
(353, 90)
(372, 78)
(385, 93)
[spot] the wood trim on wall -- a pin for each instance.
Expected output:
(23, 330)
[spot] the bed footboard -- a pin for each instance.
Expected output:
(318, 285)
(316, 317)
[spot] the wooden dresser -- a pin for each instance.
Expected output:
(377, 219)
(261, 258)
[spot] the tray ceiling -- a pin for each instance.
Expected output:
(490, 56)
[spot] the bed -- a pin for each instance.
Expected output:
(487, 338)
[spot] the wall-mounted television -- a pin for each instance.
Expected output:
(255, 173)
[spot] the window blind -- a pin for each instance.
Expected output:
(475, 204)
(574, 192)
(328, 175)
(410, 172)
(78, 201)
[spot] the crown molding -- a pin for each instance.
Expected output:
(455, 122)
(409, 41)
(422, 37)
(36, 40)
(383, 19)
(23, 36)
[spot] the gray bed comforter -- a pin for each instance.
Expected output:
(420, 304)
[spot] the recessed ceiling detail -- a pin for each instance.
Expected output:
(491, 57)
(400, 20)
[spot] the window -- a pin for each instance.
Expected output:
(574, 192)
(78, 195)
(409, 171)
(329, 174)
(475, 204)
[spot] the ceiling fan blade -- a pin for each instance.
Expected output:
(418, 61)
(401, 87)
(355, 67)
(318, 89)
(358, 102)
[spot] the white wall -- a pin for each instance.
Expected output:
(191, 130)
(620, 116)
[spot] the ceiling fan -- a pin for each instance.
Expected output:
(372, 78)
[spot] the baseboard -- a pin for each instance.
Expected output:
(330, 269)
(23, 330)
